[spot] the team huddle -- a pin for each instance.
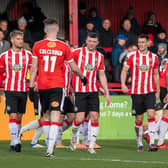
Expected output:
(51, 64)
(66, 83)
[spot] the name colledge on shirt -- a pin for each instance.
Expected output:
(51, 52)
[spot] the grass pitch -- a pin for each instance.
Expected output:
(116, 153)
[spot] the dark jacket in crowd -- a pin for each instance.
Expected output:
(115, 54)
(105, 37)
(132, 37)
(157, 40)
(97, 21)
(135, 27)
(4, 46)
(28, 37)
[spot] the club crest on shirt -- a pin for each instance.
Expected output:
(51, 44)
(17, 67)
(89, 67)
(24, 57)
(143, 67)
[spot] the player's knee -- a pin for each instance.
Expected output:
(165, 113)
(79, 119)
(54, 106)
(13, 116)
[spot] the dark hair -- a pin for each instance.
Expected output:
(50, 21)
(15, 33)
(143, 36)
(92, 35)
(132, 44)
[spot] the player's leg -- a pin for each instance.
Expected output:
(69, 111)
(35, 124)
(139, 131)
(137, 111)
(93, 130)
(150, 101)
(85, 130)
(163, 126)
(93, 108)
(56, 100)
(44, 102)
(59, 136)
(80, 116)
(80, 109)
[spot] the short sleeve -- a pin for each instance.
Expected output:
(156, 64)
(2, 61)
(101, 66)
(68, 55)
(128, 60)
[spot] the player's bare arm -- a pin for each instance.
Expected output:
(75, 69)
(157, 84)
(33, 73)
(103, 82)
(123, 79)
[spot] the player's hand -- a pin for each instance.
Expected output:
(108, 99)
(157, 94)
(124, 89)
(165, 100)
(31, 94)
(84, 81)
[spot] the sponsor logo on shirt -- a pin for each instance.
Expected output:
(143, 67)
(51, 44)
(89, 67)
(17, 67)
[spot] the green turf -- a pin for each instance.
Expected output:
(116, 154)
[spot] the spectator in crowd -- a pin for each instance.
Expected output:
(22, 23)
(151, 25)
(4, 28)
(105, 34)
(82, 19)
(34, 17)
(106, 41)
(115, 55)
(135, 27)
(162, 52)
(95, 18)
(4, 44)
(131, 48)
(159, 38)
(84, 32)
(126, 31)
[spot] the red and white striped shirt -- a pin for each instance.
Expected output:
(68, 76)
(16, 66)
(142, 68)
(89, 63)
(163, 70)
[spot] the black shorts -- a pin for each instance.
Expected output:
(36, 100)
(86, 102)
(163, 93)
(68, 106)
(142, 102)
(51, 99)
(15, 102)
